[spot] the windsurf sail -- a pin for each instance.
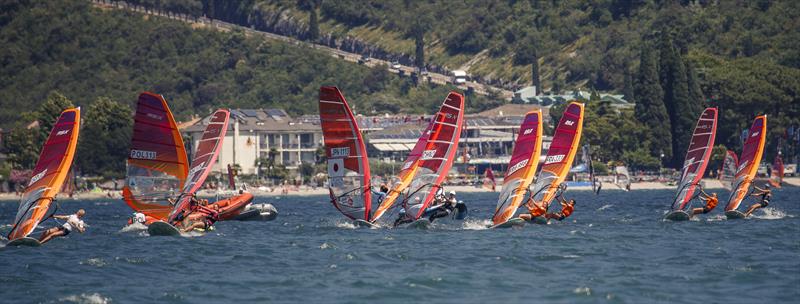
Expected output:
(729, 166)
(48, 176)
(436, 159)
(521, 168)
(348, 166)
(406, 173)
(622, 177)
(748, 162)
(587, 159)
(560, 155)
(488, 179)
(157, 164)
(207, 151)
(776, 176)
(697, 156)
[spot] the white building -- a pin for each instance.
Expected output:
(255, 133)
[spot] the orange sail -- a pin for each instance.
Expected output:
(521, 167)
(748, 162)
(560, 155)
(157, 162)
(406, 174)
(49, 174)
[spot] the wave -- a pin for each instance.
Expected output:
(476, 224)
(94, 298)
(604, 207)
(133, 227)
(770, 213)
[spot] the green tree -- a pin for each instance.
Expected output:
(48, 113)
(650, 109)
(105, 139)
(681, 108)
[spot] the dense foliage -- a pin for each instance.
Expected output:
(85, 53)
(580, 41)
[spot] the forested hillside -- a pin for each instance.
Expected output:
(85, 53)
(589, 43)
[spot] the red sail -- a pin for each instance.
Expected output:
(157, 162)
(207, 151)
(560, 155)
(348, 166)
(49, 174)
(521, 167)
(436, 159)
(697, 156)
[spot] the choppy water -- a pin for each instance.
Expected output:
(614, 249)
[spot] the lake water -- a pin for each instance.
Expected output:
(615, 248)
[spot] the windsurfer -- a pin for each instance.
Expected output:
(535, 209)
(711, 203)
(444, 207)
(380, 194)
(402, 217)
(766, 195)
(566, 209)
(73, 222)
(599, 186)
(201, 216)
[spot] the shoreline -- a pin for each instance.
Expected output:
(319, 191)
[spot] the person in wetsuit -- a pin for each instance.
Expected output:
(566, 209)
(711, 203)
(444, 208)
(766, 195)
(535, 209)
(402, 217)
(380, 194)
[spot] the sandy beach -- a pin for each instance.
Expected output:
(308, 191)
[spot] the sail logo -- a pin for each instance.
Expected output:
(554, 159)
(340, 152)
(755, 134)
(336, 168)
(569, 122)
(37, 177)
(142, 154)
(154, 116)
(195, 169)
(741, 167)
(407, 165)
(517, 166)
(449, 115)
(62, 132)
(527, 131)
(428, 154)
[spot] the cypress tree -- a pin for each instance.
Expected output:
(627, 86)
(695, 93)
(679, 106)
(650, 109)
(313, 25)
